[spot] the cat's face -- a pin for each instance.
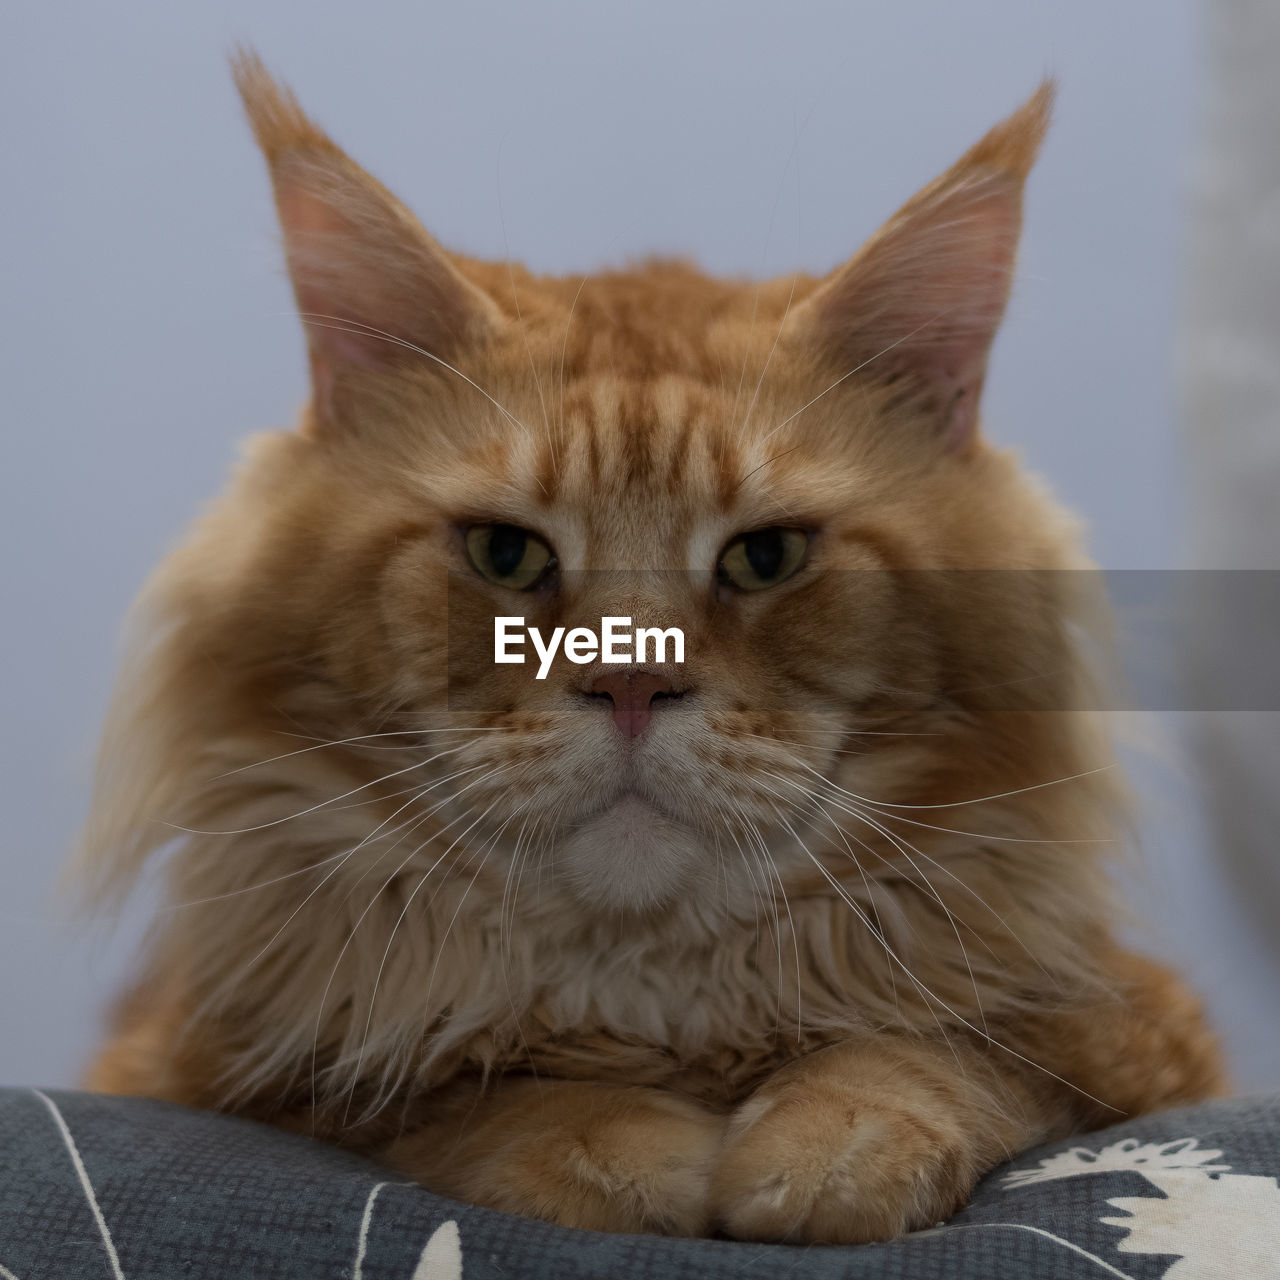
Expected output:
(640, 502)
(791, 475)
(791, 555)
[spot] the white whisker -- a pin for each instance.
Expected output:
(359, 328)
(323, 804)
(856, 369)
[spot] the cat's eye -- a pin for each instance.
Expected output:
(763, 558)
(509, 555)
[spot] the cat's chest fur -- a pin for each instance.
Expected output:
(713, 1004)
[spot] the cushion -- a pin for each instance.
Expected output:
(129, 1189)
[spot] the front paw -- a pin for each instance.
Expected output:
(589, 1156)
(638, 1163)
(830, 1161)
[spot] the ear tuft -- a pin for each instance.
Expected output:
(920, 303)
(278, 122)
(374, 290)
(1012, 146)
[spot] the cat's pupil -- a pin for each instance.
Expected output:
(507, 546)
(764, 550)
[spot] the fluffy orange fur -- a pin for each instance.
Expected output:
(831, 938)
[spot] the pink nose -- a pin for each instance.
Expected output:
(632, 695)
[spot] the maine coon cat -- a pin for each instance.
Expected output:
(792, 941)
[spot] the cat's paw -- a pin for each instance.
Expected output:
(830, 1162)
(642, 1162)
(580, 1155)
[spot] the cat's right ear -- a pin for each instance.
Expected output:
(373, 288)
(919, 305)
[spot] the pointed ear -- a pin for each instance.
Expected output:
(370, 283)
(920, 303)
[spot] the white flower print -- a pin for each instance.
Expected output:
(1141, 1157)
(1224, 1226)
(1213, 1222)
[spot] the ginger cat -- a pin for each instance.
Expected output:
(790, 941)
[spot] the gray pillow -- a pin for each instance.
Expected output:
(128, 1189)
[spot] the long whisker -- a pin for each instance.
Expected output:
(1008, 928)
(359, 739)
(758, 895)
(931, 996)
(518, 857)
(323, 804)
(326, 878)
(906, 337)
(791, 924)
(769, 900)
(564, 348)
(928, 995)
(955, 804)
(416, 822)
(937, 897)
(862, 816)
(746, 353)
(426, 816)
(850, 733)
(323, 862)
(964, 1022)
(375, 1107)
(871, 897)
(355, 1074)
(359, 328)
(777, 337)
(861, 808)
(262, 884)
(864, 807)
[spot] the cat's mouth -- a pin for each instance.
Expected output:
(629, 853)
(626, 806)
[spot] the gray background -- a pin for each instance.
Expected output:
(146, 321)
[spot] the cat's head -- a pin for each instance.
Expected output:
(790, 473)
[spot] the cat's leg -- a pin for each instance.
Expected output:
(582, 1154)
(868, 1139)
(1142, 1045)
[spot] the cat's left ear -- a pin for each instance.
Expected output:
(371, 285)
(920, 303)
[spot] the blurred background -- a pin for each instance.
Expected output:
(146, 326)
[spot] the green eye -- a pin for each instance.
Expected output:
(508, 555)
(763, 558)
